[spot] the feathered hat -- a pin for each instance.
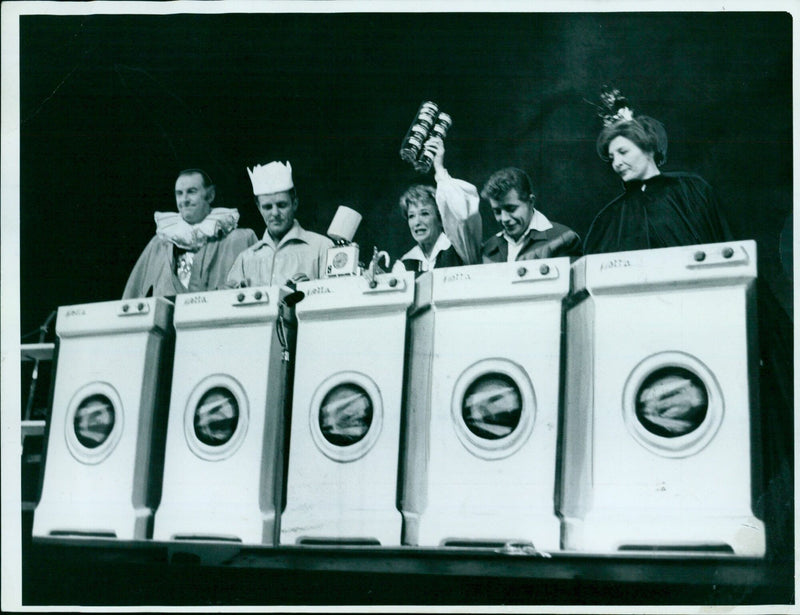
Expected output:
(615, 107)
(618, 119)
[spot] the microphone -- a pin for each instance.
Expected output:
(35, 374)
(46, 323)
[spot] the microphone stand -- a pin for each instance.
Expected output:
(35, 373)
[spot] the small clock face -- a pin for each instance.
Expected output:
(340, 260)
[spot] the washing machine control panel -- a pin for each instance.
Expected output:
(356, 292)
(128, 316)
(685, 264)
(225, 307)
(495, 282)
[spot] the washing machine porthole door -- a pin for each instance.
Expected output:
(672, 404)
(216, 417)
(94, 422)
(346, 416)
(493, 408)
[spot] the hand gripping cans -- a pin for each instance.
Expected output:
(105, 444)
(345, 425)
(659, 437)
(482, 405)
(224, 459)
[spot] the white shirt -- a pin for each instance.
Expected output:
(267, 263)
(458, 203)
(539, 222)
(416, 253)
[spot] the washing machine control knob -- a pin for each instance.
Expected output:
(140, 306)
(700, 256)
(544, 269)
(240, 297)
(727, 252)
(258, 295)
(393, 282)
(372, 283)
(126, 307)
(522, 271)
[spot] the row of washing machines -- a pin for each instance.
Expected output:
(599, 406)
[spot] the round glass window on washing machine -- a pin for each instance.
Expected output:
(672, 404)
(493, 408)
(216, 417)
(93, 422)
(346, 416)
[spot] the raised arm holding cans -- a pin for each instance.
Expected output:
(428, 123)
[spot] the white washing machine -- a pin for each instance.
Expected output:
(482, 405)
(661, 384)
(224, 457)
(105, 444)
(345, 425)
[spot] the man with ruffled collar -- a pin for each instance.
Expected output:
(193, 248)
(287, 252)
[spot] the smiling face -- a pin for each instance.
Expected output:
(629, 161)
(278, 211)
(424, 224)
(193, 198)
(513, 213)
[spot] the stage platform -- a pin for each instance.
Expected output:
(94, 572)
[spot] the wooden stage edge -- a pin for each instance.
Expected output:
(198, 572)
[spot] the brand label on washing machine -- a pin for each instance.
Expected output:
(319, 290)
(615, 263)
(456, 277)
(194, 300)
(75, 312)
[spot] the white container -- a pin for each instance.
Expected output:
(345, 425)
(661, 382)
(105, 444)
(482, 405)
(344, 224)
(224, 460)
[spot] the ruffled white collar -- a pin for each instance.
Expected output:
(219, 222)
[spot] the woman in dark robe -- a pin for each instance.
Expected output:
(661, 210)
(656, 210)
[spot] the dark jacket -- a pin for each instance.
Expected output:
(556, 241)
(445, 258)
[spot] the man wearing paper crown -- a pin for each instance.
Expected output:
(193, 248)
(287, 251)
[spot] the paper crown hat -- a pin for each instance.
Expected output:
(272, 177)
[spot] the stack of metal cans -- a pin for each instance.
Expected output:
(428, 123)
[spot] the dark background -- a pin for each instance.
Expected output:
(113, 106)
